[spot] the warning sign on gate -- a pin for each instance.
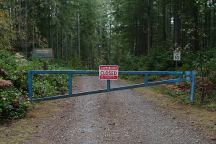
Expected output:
(108, 72)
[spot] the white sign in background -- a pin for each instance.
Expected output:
(177, 56)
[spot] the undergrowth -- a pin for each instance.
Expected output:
(13, 99)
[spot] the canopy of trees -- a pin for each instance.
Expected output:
(93, 32)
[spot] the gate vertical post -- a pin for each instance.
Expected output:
(108, 85)
(146, 79)
(30, 86)
(193, 81)
(70, 84)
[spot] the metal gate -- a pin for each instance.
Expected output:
(180, 76)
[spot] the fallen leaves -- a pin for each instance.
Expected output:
(5, 83)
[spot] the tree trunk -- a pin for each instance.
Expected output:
(195, 35)
(149, 42)
(164, 38)
(177, 24)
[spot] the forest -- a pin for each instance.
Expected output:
(134, 34)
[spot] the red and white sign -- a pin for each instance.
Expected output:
(108, 72)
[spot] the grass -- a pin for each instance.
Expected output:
(211, 107)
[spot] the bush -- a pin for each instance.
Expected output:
(13, 100)
(49, 85)
(11, 105)
(157, 60)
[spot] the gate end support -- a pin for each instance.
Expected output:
(193, 84)
(30, 93)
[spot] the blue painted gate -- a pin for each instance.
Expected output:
(187, 76)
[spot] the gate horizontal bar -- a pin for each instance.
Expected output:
(171, 81)
(64, 72)
(96, 72)
(68, 96)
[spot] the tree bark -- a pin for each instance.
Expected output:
(177, 24)
(150, 3)
(164, 38)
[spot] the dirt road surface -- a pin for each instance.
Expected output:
(123, 117)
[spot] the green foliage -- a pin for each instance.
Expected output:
(211, 106)
(49, 85)
(179, 96)
(11, 105)
(157, 60)
(160, 60)
(6, 34)
(13, 100)
(128, 62)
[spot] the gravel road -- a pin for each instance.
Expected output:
(123, 117)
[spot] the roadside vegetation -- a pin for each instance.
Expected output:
(203, 62)
(13, 83)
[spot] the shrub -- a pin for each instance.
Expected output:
(11, 104)
(13, 101)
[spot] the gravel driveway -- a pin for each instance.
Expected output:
(123, 117)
